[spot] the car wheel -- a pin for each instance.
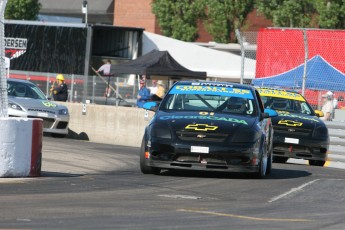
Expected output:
(269, 164)
(262, 166)
(317, 163)
(143, 162)
(270, 159)
(277, 159)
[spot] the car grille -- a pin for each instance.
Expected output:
(47, 122)
(201, 136)
(41, 110)
(62, 125)
(292, 130)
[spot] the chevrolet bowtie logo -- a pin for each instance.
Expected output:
(201, 127)
(290, 123)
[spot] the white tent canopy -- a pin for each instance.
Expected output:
(217, 64)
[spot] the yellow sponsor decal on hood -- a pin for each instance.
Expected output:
(48, 104)
(281, 94)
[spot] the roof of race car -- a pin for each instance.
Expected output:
(215, 83)
(20, 80)
(213, 88)
(281, 93)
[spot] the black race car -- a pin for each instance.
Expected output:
(214, 126)
(298, 131)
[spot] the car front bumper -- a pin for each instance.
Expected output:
(307, 148)
(179, 155)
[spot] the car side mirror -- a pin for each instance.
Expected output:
(151, 105)
(269, 113)
(319, 113)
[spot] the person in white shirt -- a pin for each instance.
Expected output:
(327, 107)
(105, 68)
(154, 87)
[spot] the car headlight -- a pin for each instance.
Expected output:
(15, 106)
(63, 112)
(160, 131)
(245, 136)
(320, 131)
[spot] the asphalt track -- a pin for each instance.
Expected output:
(96, 186)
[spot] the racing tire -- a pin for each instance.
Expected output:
(145, 169)
(261, 173)
(269, 164)
(277, 159)
(317, 163)
(270, 159)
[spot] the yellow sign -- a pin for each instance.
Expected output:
(290, 123)
(201, 127)
(281, 94)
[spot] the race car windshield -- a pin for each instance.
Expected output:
(287, 105)
(211, 99)
(20, 89)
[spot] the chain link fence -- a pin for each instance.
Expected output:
(3, 84)
(310, 61)
(104, 90)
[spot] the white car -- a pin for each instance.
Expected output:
(25, 99)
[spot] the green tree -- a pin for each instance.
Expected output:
(179, 19)
(22, 9)
(330, 14)
(288, 13)
(224, 16)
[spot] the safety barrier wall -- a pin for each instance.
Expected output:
(107, 124)
(21, 147)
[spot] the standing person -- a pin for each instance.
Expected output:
(143, 94)
(327, 107)
(105, 68)
(153, 88)
(160, 92)
(60, 92)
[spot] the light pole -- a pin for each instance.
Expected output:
(84, 10)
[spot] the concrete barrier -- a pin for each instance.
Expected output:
(20, 147)
(107, 124)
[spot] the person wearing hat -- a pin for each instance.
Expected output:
(158, 96)
(143, 94)
(327, 107)
(60, 92)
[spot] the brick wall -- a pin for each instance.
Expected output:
(137, 13)
(134, 13)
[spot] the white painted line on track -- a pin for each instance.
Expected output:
(13, 180)
(293, 190)
(180, 197)
(330, 163)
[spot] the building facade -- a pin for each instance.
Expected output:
(134, 13)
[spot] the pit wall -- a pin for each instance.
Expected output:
(107, 124)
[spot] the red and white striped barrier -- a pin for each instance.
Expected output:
(20, 147)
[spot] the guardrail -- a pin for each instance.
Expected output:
(336, 130)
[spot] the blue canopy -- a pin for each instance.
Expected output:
(320, 76)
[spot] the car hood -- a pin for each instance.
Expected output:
(36, 103)
(204, 121)
(290, 120)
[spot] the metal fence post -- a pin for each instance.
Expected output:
(305, 60)
(3, 79)
(240, 40)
